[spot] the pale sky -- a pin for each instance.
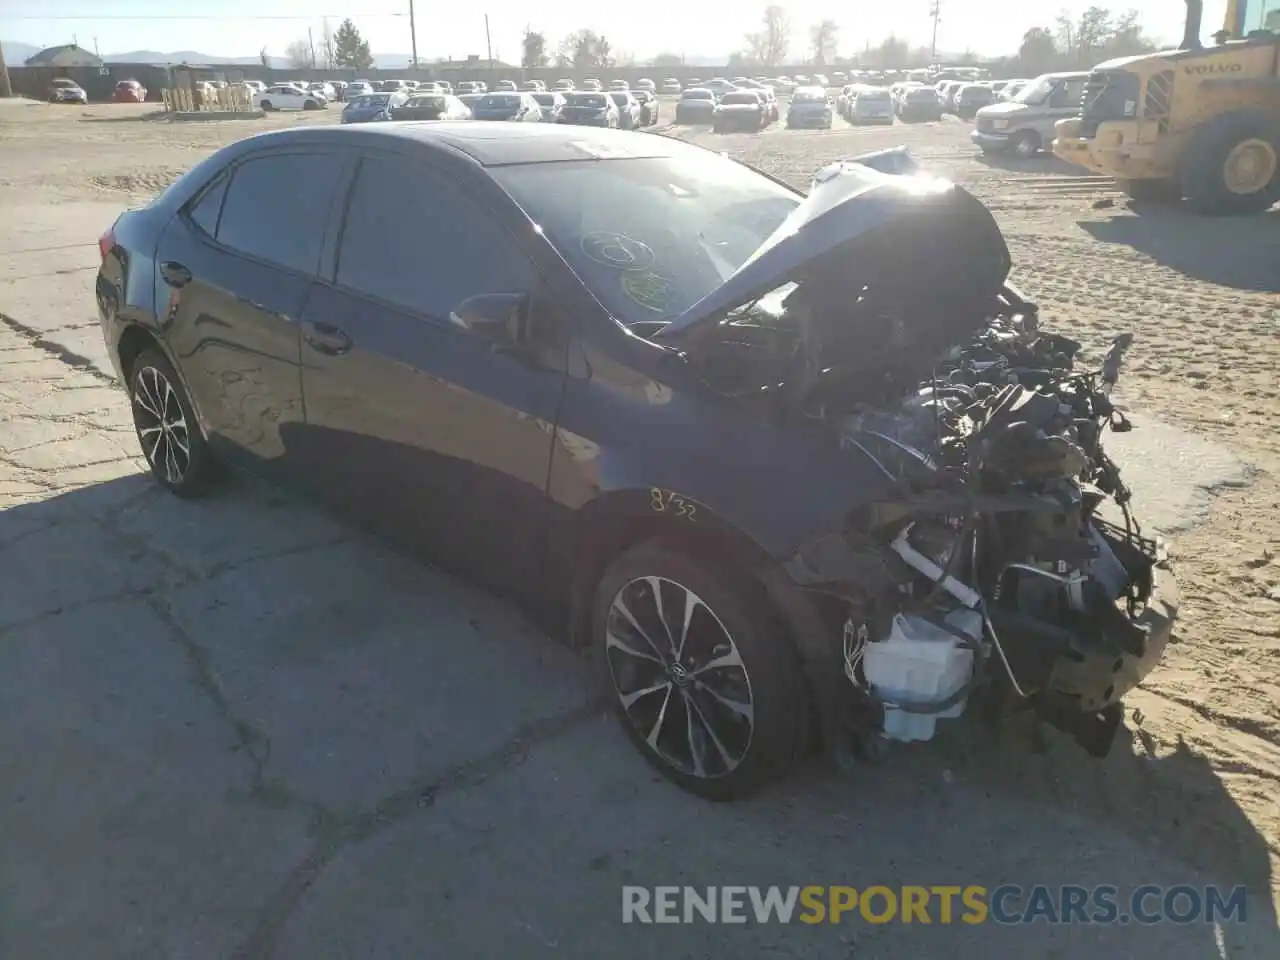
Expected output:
(710, 27)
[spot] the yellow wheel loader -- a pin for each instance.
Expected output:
(1200, 123)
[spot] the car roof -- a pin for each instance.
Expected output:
(487, 144)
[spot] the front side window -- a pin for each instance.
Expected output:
(442, 247)
(277, 207)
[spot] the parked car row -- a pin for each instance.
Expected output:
(626, 110)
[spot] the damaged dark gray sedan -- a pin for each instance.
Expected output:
(801, 471)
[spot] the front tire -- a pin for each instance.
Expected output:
(166, 426)
(705, 683)
(1232, 166)
(1025, 144)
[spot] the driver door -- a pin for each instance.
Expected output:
(432, 433)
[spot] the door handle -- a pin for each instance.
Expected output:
(175, 274)
(327, 339)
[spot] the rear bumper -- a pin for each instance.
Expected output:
(858, 121)
(807, 120)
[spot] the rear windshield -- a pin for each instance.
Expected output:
(975, 92)
(696, 95)
(873, 95)
(371, 101)
(740, 98)
(587, 99)
(421, 102)
(498, 100)
(923, 94)
(809, 96)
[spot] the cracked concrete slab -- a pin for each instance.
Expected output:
(127, 819)
(243, 520)
(569, 835)
(62, 565)
(368, 673)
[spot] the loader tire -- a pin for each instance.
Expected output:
(1233, 165)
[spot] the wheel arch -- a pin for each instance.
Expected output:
(134, 340)
(619, 520)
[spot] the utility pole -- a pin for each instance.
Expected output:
(488, 41)
(413, 37)
(311, 45)
(5, 89)
(935, 11)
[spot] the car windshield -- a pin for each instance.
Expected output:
(1036, 91)
(924, 94)
(499, 101)
(650, 237)
(696, 95)
(873, 95)
(587, 100)
(374, 100)
(545, 99)
(66, 84)
(809, 96)
(436, 102)
(740, 97)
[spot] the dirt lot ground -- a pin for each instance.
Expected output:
(199, 762)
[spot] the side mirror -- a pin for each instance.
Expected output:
(500, 318)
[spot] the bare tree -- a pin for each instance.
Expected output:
(777, 36)
(825, 39)
(327, 49)
(264, 57)
(300, 55)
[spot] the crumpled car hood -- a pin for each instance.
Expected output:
(849, 200)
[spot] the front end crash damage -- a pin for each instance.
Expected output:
(998, 562)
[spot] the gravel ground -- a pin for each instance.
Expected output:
(1200, 780)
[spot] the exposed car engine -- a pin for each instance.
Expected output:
(1011, 564)
(999, 556)
(1006, 560)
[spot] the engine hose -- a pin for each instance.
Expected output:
(995, 640)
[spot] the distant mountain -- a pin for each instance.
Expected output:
(16, 54)
(186, 56)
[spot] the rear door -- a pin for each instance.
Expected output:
(412, 421)
(235, 268)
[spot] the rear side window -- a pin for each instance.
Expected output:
(204, 214)
(277, 206)
(413, 240)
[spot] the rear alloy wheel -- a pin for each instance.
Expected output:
(705, 689)
(166, 426)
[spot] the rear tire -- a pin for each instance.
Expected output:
(166, 426)
(710, 694)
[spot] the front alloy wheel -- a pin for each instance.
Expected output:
(679, 677)
(704, 686)
(167, 432)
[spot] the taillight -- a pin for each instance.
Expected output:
(107, 241)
